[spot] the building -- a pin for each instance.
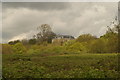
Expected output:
(60, 39)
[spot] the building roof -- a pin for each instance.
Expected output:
(65, 36)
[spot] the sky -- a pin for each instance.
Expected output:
(21, 19)
(0, 23)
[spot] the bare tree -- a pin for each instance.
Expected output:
(45, 33)
(115, 25)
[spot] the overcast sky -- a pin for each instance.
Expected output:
(20, 19)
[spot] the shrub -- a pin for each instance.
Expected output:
(33, 51)
(76, 47)
(19, 48)
(52, 49)
(97, 46)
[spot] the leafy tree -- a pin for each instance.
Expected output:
(112, 37)
(119, 38)
(97, 46)
(111, 41)
(85, 38)
(32, 41)
(14, 42)
(11, 42)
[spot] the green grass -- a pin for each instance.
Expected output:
(60, 66)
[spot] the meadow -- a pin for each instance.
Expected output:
(83, 65)
(83, 57)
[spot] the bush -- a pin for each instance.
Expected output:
(76, 47)
(97, 46)
(19, 48)
(33, 51)
(53, 50)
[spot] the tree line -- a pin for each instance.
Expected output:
(45, 34)
(107, 43)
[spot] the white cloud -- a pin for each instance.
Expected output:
(27, 35)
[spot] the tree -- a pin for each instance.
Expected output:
(97, 46)
(13, 42)
(45, 33)
(32, 41)
(85, 38)
(24, 41)
(113, 36)
(119, 38)
(111, 40)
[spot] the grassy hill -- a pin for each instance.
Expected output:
(82, 65)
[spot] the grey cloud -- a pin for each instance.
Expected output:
(36, 5)
(119, 11)
(65, 18)
(0, 22)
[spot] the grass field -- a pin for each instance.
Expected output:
(60, 66)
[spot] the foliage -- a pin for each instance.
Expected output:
(85, 38)
(84, 43)
(97, 46)
(76, 47)
(14, 42)
(40, 58)
(111, 40)
(60, 66)
(33, 51)
(32, 41)
(19, 48)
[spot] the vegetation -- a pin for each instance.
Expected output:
(60, 66)
(84, 57)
